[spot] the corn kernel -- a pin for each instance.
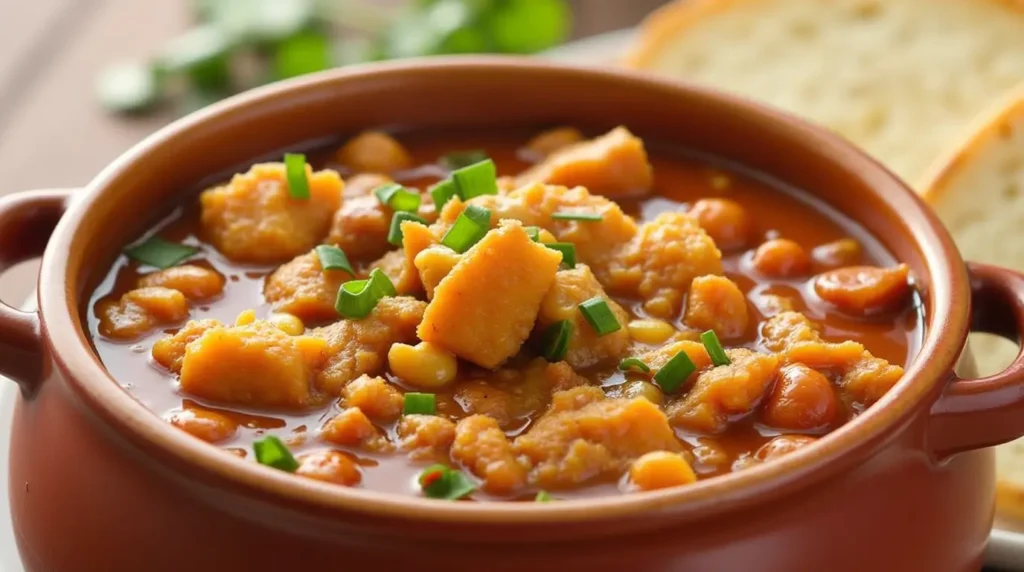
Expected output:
(546, 237)
(650, 331)
(659, 470)
(425, 365)
(245, 318)
(288, 324)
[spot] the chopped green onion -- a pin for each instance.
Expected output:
(533, 232)
(476, 179)
(634, 363)
(714, 347)
(395, 232)
(398, 198)
(599, 314)
(555, 341)
(675, 372)
(442, 193)
(568, 251)
(333, 258)
(460, 159)
(270, 451)
(441, 482)
(542, 496)
(160, 253)
(419, 404)
(469, 228)
(572, 215)
(357, 298)
(295, 171)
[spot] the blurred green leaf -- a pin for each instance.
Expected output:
(127, 87)
(197, 99)
(529, 26)
(202, 54)
(357, 51)
(261, 21)
(300, 54)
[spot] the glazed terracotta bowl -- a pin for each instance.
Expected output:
(100, 483)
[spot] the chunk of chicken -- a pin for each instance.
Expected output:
(139, 311)
(716, 303)
(374, 396)
(195, 282)
(357, 347)
(586, 348)
(170, 350)
(253, 218)
(303, 288)
(483, 447)
(598, 440)
(484, 309)
(725, 391)
(659, 264)
(426, 437)
(360, 227)
(254, 365)
(614, 165)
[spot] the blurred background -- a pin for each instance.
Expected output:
(83, 80)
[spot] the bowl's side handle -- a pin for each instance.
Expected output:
(26, 221)
(976, 413)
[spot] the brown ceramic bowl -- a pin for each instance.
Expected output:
(100, 483)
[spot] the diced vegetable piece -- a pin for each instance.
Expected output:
(635, 364)
(398, 198)
(295, 169)
(441, 482)
(555, 341)
(160, 253)
(675, 372)
(573, 215)
(419, 404)
(568, 251)
(443, 192)
(333, 258)
(542, 496)
(476, 180)
(357, 298)
(469, 228)
(395, 233)
(270, 451)
(459, 159)
(714, 347)
(599, 315)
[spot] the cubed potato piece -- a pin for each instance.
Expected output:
(601, 439)
(357, 347)
(399, 265)
(717, 303)
(254, 219)
(255, 365)
(139, 311)
(614, 164)
(375, 397)
(484, 310)
(548, 142)
(586, 348)
(303, 288)
(661, 261)
(724, 391)
(195, 282)
(374, 152)
(170, 350)
(433, 264)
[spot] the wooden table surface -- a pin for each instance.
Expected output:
(53, 133)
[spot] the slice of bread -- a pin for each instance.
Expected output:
(977, 188)
(900, 78)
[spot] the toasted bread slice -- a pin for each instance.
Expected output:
(900, 78)
(977, 188)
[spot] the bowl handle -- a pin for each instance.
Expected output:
(26, 221)
(976, 413)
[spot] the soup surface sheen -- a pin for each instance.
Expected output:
(768, 403)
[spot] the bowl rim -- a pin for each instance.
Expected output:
(946, 327)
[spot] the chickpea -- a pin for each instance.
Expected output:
(659, 470)
(547, 142)
(838, 253)
(781, 258)
(546, 237)
(330, 467)
(864, 290)
(650, 331)
(288, 324)
(425, 365)
(245, 318)
(374, 152)
(782, 445)
(803, 399)
(209, 426)
(725, 221)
